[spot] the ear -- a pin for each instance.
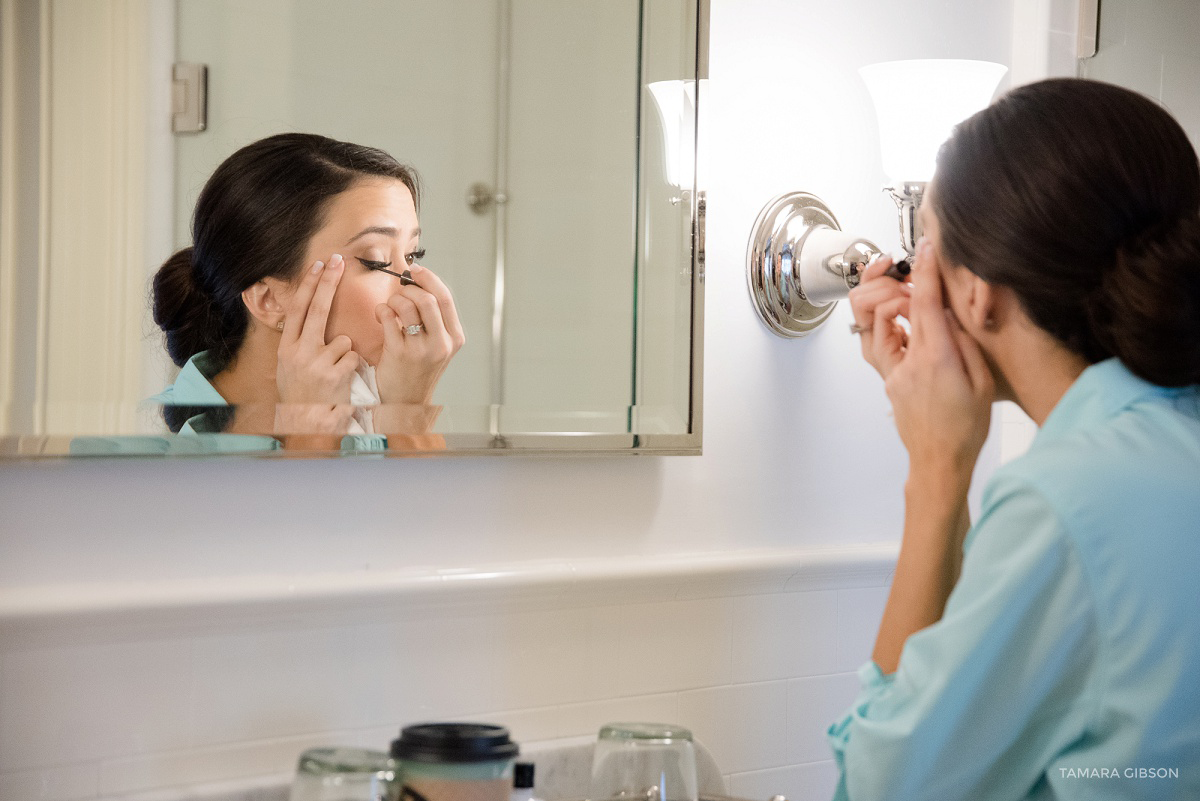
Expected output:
(986, 304)
(263, 300)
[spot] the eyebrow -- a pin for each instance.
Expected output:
(376, 229)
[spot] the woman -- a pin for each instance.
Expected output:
(302, 299)
(1053, 649)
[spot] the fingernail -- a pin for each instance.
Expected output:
(336, 258)
(317, 267)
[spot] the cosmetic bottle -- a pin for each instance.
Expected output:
(523, 782)
(452, 762)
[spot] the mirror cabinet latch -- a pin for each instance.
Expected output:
(481, 198)
(189, 98)
(1087, 36)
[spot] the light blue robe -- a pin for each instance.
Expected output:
(200, 434)
(1067, 662)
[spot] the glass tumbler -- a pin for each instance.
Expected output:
(651, 761)
(341, 774)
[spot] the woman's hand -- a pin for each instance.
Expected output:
(411, 364)
(876, 303)
(939, 384)
(313, 377)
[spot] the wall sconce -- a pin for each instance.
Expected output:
(799, 261)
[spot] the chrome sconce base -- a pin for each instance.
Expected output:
(800, 263)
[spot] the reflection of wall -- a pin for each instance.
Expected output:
(664, 295)
(570, 261)
(796, 434)
(74, 272)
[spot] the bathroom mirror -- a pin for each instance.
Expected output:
(552, 204)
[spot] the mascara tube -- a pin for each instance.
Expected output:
(900, 268)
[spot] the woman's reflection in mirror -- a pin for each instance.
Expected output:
(301, 311)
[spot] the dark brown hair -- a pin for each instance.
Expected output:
(1084, 199)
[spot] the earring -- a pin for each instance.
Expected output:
(279, 325)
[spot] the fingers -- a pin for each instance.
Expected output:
(348, 362)
(318, 309)
(877, 267)
(414, 305)
(428, 307)
(293, 321)
(928, 302)
(885, 346)
(406, 309)
(869, 294)
(393, 338)
(428, 280)
(337, 348)
(973, 360)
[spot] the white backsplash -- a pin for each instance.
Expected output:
(754, 652)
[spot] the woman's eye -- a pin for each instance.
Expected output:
(414, 257)
(375, 265)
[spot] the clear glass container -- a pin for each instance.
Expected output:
(652, 761)
(341, 774)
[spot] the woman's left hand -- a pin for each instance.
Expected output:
(411, 364)
(940, 385)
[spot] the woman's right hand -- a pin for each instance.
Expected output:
(935, 376)
(876, 303)
(314, 377)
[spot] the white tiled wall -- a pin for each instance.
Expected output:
(1146, 45)
(1150, 46)
(757, 678)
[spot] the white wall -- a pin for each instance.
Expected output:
(797, 439)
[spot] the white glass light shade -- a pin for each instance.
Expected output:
(676, 105)
(919, 102)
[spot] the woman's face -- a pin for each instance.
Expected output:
(374, 222)
(954, 278)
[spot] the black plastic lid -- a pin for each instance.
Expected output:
(453, 742)
(522, 775)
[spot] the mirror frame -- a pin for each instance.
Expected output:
(18, 447)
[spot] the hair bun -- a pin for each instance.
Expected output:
(182, 309)
(1147, 308)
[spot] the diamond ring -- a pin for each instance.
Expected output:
(413, 330)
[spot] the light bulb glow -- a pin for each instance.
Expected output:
(919, 102)
(675, 102)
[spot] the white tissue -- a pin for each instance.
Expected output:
(364, 396)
